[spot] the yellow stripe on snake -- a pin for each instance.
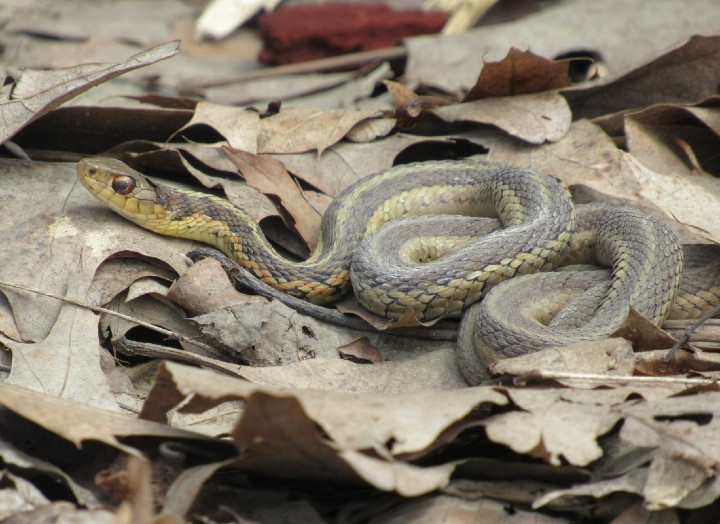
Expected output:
(537, 224)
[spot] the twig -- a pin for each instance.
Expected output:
(313, 66)
(98, 309)
(596, 377)
(145, 349)
(682, 339)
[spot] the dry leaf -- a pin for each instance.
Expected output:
(543, 431)
(297, 130)
(407, 423)
(37, 92)
(519, 73)
(535, 118)
(691, 201)
(441, 508)
(205, 287)
(612, 356)
(453, 62)
(360, 351)
(239, 126)
(643, 334)
(78, 422)
(666, 139)
(688, 74)
(408, 105)
(270, 177)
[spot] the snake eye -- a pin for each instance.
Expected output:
(123, 184)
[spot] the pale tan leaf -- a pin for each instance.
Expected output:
(403, 478)
(297, 130)
(239, 126)
(612, 356)
(456, 510)
(66, 363)
(535, 118)
(38, 92)
(692, 201)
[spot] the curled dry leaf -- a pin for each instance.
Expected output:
(269, 176)
(688, 74)
(643, 334)
(519, 73)
(370, 130)
(408, 105)
(544, 433)
(78, 422)
(37, 92)
(360, 351)
(239, 126)
(674, 139)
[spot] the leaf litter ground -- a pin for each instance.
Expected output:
(284, 428)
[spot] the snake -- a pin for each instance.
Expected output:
(360, 247)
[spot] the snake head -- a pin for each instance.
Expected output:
(123, 189)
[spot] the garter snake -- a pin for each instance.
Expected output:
(536, 213)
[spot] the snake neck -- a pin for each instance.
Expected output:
(323, 279)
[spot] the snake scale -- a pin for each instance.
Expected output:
(537, 225)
